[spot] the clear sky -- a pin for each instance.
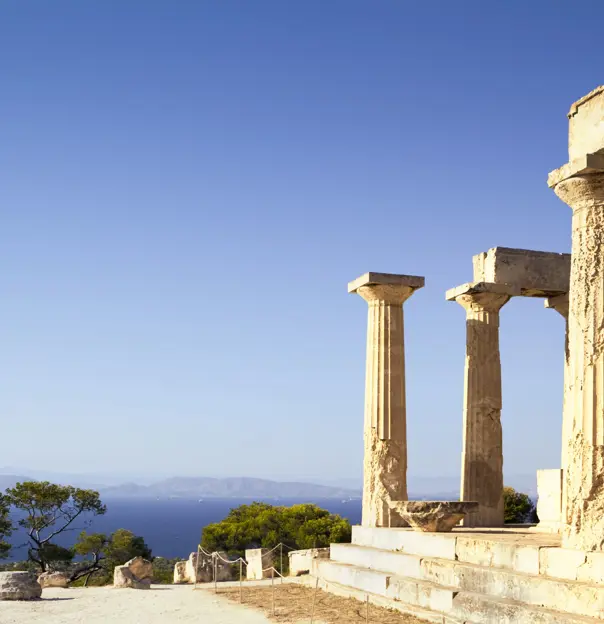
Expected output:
(187, 187)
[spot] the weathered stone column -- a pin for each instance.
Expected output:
(482, 454)
(583, 489)
(385, 430)
(560, 304)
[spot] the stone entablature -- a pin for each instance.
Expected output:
(533, 273)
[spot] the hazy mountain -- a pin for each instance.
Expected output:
(234, 487)
(9, 480)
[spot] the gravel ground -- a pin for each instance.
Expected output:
(99, 605)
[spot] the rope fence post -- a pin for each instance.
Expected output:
(281, 570)
(314, 599)
(273, 585)
(367, 608)
(240, 579)
(215, 575)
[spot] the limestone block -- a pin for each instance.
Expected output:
(259, 560)
(534, 273)
(387, 561)
(19, 586)
(586, 124)
(135, 574)
(561, 562)
(593, 569)
(498, 554)
(53, 579)
(440, 545)
(180, 573)
(549, 502)
(300, 561)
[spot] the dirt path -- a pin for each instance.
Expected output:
(98, 605)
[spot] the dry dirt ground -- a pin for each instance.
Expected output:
(293, 604)
(181, 604)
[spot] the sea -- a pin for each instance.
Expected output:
(173, 527)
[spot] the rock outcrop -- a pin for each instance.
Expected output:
(135, 574)
(19, 586)
(53, 579)
(180, 573)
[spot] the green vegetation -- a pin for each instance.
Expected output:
(5, 526)
(50, 510)
(260, 525)
(518, 507)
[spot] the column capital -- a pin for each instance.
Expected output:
(479, 296)
(582, 191)
(387, 288)
(558, 303)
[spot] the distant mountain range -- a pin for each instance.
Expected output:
(206, 487)
(420, 488)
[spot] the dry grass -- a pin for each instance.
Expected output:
(293, 603)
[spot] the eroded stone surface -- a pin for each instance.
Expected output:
(385, 429)
(300, 561)
(482, 454)
(19, 586)
(584, 418)
(434, 516)
(534, 273)
(586, 124)
(259, 562)
(135, 574)
(53, 579)
(180, 573)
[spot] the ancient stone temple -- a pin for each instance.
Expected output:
(410, 555)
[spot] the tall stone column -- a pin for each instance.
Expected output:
(583, 488)
(559, 303)
(482, 454)
(385, 429)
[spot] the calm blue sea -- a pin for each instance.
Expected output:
(172, 528)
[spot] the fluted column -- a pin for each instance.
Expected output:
(583, 488)
(482, 453)
(385, 429)
(559, 303)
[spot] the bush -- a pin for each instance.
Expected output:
(518, 507)
(260, 525)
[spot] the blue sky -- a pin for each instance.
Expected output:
(187, 187)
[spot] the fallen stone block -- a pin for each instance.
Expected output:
(19, 586)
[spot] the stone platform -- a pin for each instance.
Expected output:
(468, 576)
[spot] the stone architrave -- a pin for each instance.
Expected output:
(580, 184)
(482, 454)
(385, 429)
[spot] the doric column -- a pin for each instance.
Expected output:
(560, 304)
(482, 454)
(385, 430)
(583, 487)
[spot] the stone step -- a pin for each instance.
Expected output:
(579, 598)
(414, 592)
(500, 549)
(463, 608)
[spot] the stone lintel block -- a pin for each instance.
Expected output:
(582, 165)
(387, 279)
(475, 288)
(535, 273)
(586, 124)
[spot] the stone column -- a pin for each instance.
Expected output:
(560, 304)
(385, 430)
(482, 454)
(583, 489)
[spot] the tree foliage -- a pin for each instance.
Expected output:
(100, 553)
(518, 507)
(260, 525)
(6, 526)
(49, 510)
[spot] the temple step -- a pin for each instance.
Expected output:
(434, 602)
